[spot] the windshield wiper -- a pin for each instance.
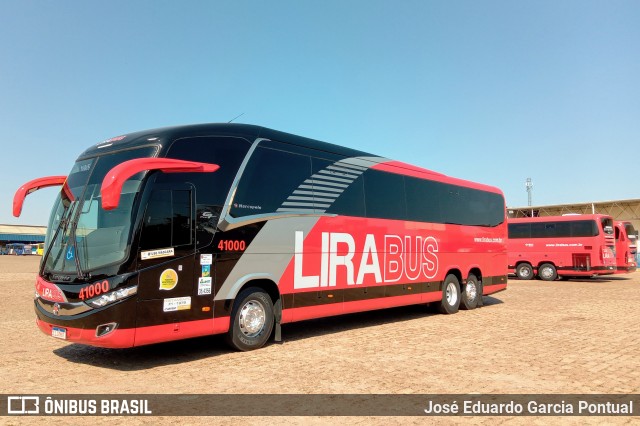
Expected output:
(73, 238)
(62, 225)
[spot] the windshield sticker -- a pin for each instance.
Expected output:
(168, 279)
(177, 304)
(70, 253)
(153, 254)
(204, 286)
(206, 259)
(206, 270)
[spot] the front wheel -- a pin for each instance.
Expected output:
(450, 295)
(251, 320)
(470, 293)
(524, 271)
(547, 272)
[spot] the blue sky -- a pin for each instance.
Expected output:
(489, 91)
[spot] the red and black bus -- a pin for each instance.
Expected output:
(565, 246)
(626, 247)
(229, 228)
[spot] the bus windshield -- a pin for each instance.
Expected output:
(81, 235)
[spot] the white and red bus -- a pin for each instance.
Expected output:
(227, 228)
(565, 246)
(626, 247)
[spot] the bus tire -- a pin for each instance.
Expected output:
(251, 320)
(470, 293)
(547, 272)
(524, 271)
(450, 295)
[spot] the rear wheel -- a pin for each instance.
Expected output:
(470, 293)
(251, 320)
(524, 271)
(547, 272)
(450, 295)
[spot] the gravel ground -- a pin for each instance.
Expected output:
(576, 336)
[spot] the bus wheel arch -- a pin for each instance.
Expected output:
(451, 293)
(256, 311)
(524, 271)
(471, 290)
(547, 271)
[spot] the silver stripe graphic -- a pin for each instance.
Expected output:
(317, 188)
(350, 163)
(296, 204)
(343, 172)
(300, 198)
(300, 210)
(326, 175)
(314, 180)
(269, 253)
(325, 186)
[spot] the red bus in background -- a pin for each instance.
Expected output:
(235, 229)
(626, 247)
(565, 246)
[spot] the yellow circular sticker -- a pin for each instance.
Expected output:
(168, 279)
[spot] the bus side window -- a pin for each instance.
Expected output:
(270, 178)
(167, 220)
(384, 195)
(347, 201)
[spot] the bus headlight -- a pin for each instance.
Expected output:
(114, 296)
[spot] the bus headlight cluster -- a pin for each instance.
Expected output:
(114, 296)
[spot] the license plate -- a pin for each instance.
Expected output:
(59, 332)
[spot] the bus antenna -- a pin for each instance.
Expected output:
(235, 118)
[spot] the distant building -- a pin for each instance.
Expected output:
(619, 210)
(22, 234)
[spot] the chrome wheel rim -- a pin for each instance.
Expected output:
(546, 272)
(452, 294)
(252, 318)
(471, 289)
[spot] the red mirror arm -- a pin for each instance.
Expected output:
(32, 186)
(117, 176)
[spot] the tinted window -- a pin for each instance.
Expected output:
(384, 195)
(227, 152)
(269, 181)
(539, 230)
(583, 228)
(563, 229)
(579, 228)
(519, 230)
(423, 200)
(167, 221)
(338, 188)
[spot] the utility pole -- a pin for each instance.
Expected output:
(529, 185)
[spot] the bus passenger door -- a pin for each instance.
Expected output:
(166, 259)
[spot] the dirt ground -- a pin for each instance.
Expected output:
(577, 336)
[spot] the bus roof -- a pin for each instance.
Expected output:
(166, 135)
(163, 137)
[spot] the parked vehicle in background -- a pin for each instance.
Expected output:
(226, 228)
(565, 246)
(39, 249)
(19, 249)
(626, 247)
